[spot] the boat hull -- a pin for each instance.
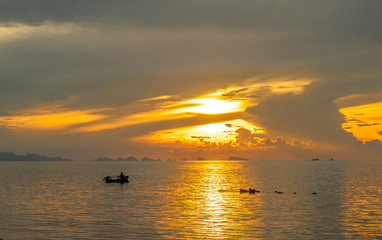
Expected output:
(113, 180)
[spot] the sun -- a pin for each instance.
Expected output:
(215, 106)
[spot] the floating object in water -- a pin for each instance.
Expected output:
(279, 192)
(294, 192)
(314, 193)
(250, 190)
(315, 159)
(109, 179)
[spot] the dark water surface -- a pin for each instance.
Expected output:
(191, 200)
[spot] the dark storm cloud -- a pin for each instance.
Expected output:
(347, 15)
(179, 44)
(312, 114)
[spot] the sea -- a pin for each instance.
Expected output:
(191, 200)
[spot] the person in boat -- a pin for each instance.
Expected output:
(121, 176)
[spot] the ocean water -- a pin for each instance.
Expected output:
(191, 200)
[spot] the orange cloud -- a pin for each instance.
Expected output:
(213, 133)
(223, 101)
(364, 121)
(50, 121)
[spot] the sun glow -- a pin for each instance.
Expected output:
(213, 133)
(364, 121)
(183, 109)
(213, 128)
(49, 121)
(214, 106)
(232, 100)
(211, 193)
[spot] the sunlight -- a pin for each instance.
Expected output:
(234, 99)
(214, 133)
(213, 128)
(49, 121)
(12, 31)
(179, 110)
(163, 97)
(209, 196)
(364, 121)
(214, 106)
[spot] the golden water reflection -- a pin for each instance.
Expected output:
(210, 204)
(362, 206)
(192, 200)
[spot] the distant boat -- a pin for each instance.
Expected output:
(331, 159)
(315, 159)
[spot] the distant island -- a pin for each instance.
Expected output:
(238, 158)
(106, 159)
(119, 159)
(10, 156)
(146, 159)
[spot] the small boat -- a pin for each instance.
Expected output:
(315, 159)
(109, 179)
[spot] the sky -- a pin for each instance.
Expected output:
(170, 79)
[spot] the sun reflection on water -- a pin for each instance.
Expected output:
(211, 203)
(362, 205)
(192, 200)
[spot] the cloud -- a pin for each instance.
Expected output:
(278, 142)
(245, 136)
(134, 57)
(367, 124)
(352, 17)
(116, 51)
(313, 114)
(373, 142)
